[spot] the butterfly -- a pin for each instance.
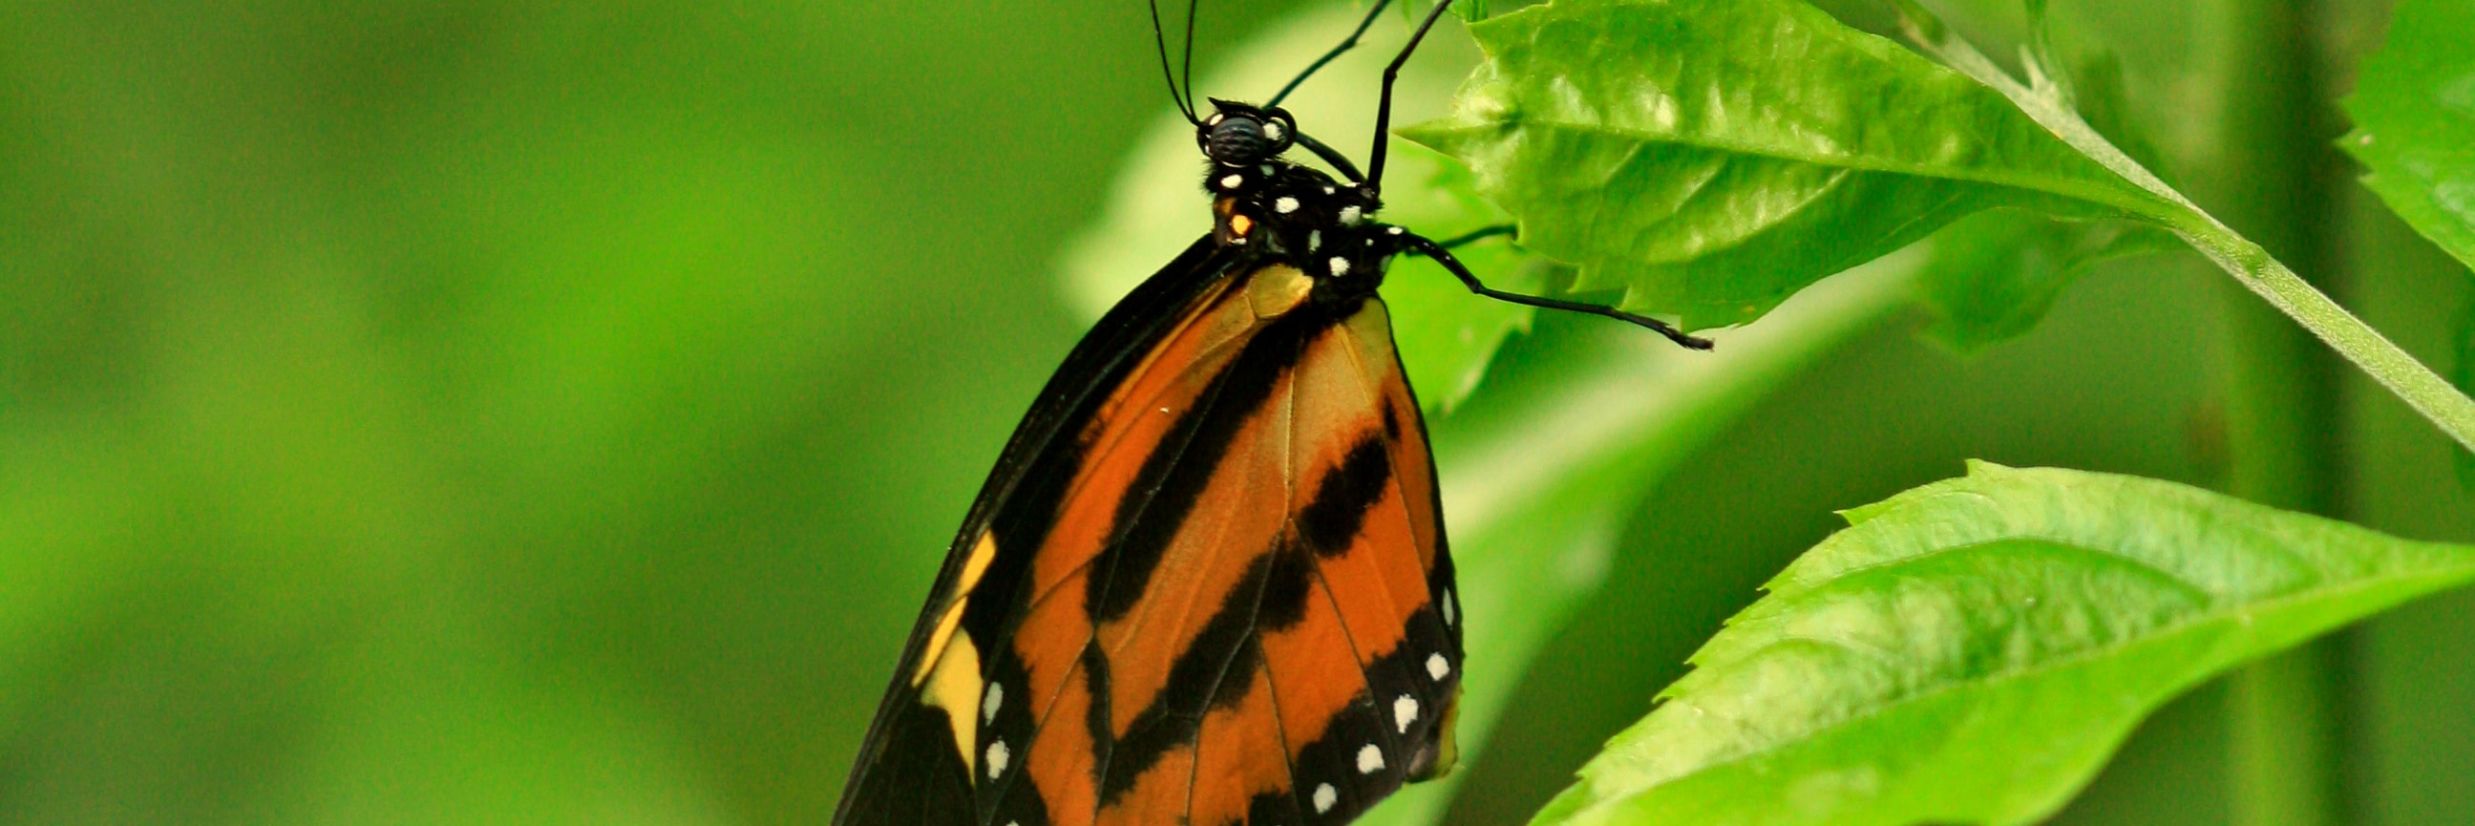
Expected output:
(1207, 582)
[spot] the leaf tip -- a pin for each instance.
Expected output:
(1981, 467)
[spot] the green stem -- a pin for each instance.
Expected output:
(2250, 265)
(2273, 176)
(2408, 379)
(2287, 713)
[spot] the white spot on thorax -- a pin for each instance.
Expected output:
(1437, 667)
(1392, 230)
(1325, 796)
(1404, 712)
(1370, 759)
(1340, 266)
(994, 701)
(1285, 205)
(1271, 129)
(1350, 215)
(1232, 181)
(1314, 238)
(997, 757)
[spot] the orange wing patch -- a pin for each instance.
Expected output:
(1232, 612)
(1191, 660)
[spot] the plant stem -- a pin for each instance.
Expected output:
(2251, 266)
(2408, 379)
(2287, 713)
(2273, 178)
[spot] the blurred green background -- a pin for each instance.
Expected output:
(544, 413)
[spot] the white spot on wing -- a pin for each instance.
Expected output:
(1404, 712)
(1325, 796)
(1437, 667)
(1314, 238)
(1370, 759)
(1448, 612)
(997, 757)
(994, 701)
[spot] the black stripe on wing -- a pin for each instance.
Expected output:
(904, 754)
(1154, 507)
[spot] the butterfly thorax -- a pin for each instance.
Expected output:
(1289, 212)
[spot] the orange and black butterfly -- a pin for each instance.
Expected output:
(1207, 583)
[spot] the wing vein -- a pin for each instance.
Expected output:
(1340, 619)
(1254, 612)
(1041, 598)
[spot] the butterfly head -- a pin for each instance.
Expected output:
(1239, 134)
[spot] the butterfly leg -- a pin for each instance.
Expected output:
(1331, 156)
(1480, 234)
(1383, 109)
(1347, 44)
(1432, 250)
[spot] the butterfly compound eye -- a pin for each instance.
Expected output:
(1243, 135)
(1237, 140)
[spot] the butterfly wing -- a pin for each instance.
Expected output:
(899, 777)
(1208, 582)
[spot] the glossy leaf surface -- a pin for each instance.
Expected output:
(1973, 650)
(1710, 157)
(2414, 112)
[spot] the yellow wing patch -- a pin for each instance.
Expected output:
(949, 672)
(934, 655)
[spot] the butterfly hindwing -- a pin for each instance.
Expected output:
(1213, 593)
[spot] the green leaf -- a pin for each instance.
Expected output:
(1544, 465)
(1710, 157)
(1541, 466)
(1993, 275)
(1973, 650)
(2414, 111)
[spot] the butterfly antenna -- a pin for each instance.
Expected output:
(1160, 43)
(1190, 58)
(1383, 109)
(1346, 44)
